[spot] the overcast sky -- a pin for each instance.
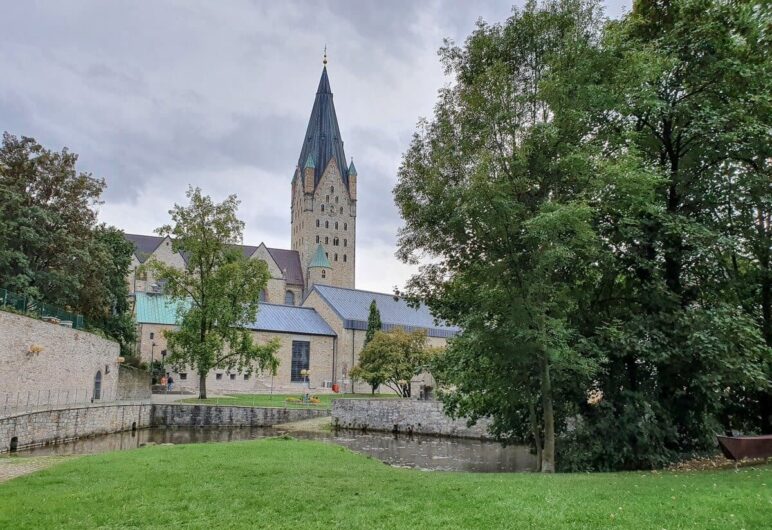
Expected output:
(156, 95)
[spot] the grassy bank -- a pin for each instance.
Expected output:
(282, 400)
(294, 484)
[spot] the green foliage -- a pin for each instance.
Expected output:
(373, 322)
(595, 201)
(220, 287)
(51, 247)
(393, 358)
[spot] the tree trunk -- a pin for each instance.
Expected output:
(548, 454)
(201, 386)
(536, 434)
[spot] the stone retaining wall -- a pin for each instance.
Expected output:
(402, 415)
(133, 384)
(63, 425)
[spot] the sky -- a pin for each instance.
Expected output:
(156, 95)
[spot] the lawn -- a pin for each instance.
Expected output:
(280, 400)
(278, 483)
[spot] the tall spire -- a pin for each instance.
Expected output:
(324, 61)
(322, 141)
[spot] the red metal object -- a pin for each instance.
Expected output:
(739, 447)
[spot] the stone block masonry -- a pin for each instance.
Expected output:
(405, 416)
(133, 384)
(63, 425)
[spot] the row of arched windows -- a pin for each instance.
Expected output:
(327, 224)
(335, 257)
(335, 241)
(341, 209)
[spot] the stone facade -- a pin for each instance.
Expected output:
(405, 416)
(322, 349)
(63, 425)
(41, 363)
(133, 384)
(326, 216)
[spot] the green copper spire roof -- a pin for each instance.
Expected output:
(310, 162)
(351, 169)
(320, 259)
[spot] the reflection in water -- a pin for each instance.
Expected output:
(422, 452)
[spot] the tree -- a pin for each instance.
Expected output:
(393, 358)
(494, 192)
(373, 322)
(51, 247)
(217, 291)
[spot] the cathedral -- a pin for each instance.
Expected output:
(310, 302)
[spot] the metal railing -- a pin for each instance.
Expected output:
(35, 400)
(28, 305)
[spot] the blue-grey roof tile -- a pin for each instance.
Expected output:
(353, 306)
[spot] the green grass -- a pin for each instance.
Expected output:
(280, 400)
(275, 483)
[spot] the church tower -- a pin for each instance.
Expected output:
(324, 198)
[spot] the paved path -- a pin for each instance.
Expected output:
(16, 466)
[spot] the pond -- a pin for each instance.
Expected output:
(420, 452)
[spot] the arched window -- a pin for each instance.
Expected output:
(336, 200)
(289, 298)
(335, 241)
(317, 223)
(98, 385)
(345, 226)
(326, 240)
(327, 224)
(336, 257)
(327, 255)
(341, 209)
(345, 242)
(332, 189)
(336, 225)
(324, 273)
(327, 198)
(322, 208)
(317, 239)
(344, 258)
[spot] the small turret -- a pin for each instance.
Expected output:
(308, 175)
(352, 180)
(319, 268)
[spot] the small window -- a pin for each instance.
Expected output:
(317, 239)
(152, 335)
(344, 258)
(336, 200)
(336, 256)
(332, 189)
(218, 377)
(183, 377)
(322, 208)
(324, 273)
(326, 240)
(345, 242)
(327, 255)
(345, 226)
(335, 241)
(336, 225)
(327, 224)
(233, 377)
(317, 223)
(327, 198)
(341, 209)
(289, 298)
(246, 377)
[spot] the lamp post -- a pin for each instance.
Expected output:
(306, 373)
(152, 358)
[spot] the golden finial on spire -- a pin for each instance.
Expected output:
(324, 61)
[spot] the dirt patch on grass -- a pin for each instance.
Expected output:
(16, 466)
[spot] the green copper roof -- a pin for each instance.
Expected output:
(320, 258)
(310, 162)
(351, 169)
(157, 309)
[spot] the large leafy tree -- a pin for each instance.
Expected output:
(393, 358)
(51, 247)
(217, 291)
(493, 190)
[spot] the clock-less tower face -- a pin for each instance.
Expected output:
(324, 196)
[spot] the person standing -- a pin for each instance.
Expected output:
(170, 380)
